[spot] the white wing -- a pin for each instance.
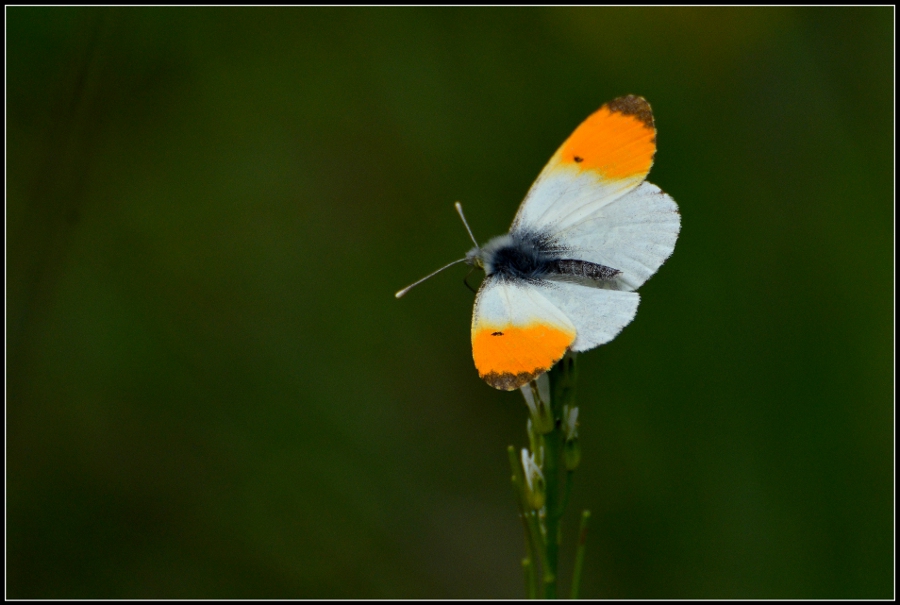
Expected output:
(634, 233)
(517, 332)
(562, 196)
(598, 314)
(608, 155)
(592, 201)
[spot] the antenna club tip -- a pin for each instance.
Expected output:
(399, 293)
(457, 205)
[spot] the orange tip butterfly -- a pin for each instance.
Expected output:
(590, 231)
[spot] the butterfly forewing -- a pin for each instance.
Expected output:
(609, 154)
(592, 202)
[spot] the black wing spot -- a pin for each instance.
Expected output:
(497, 334)
(579, 159)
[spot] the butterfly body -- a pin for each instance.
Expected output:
(532, 256)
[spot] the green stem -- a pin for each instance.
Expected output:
(530, 578)
(567, 490)
(562, 393)
(579, 554)
(542, 529)
(534, 528)
(532, 532)
(552, 442)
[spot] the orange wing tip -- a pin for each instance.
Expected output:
(511, 356)
(618, 140)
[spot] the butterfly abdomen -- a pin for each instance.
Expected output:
(584, 269)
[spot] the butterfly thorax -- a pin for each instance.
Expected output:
(522, 256)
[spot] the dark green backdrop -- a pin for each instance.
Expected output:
(212, 391)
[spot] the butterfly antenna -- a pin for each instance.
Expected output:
(463, 217)
(411, 286)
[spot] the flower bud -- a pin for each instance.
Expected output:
(571, 448)
(570, 422)
(535, 491)
(537, 398)
(536, 443)
(572, 454)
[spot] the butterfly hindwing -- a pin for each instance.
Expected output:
(634, 234)
(517, 332)
(598, 314)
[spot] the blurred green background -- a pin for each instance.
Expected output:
(212, 391)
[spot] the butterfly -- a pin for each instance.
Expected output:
(589, 232)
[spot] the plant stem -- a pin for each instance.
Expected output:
(532, 532)
(567, 491)
(579, 554)
(562, 392)
(547, 436)
(551, 518)
(530, 578)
